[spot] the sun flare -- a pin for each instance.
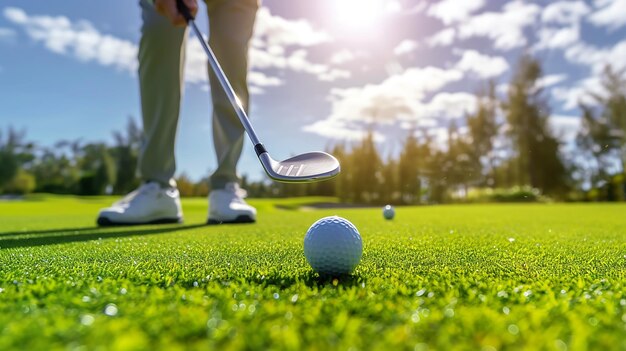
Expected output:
(358, 15)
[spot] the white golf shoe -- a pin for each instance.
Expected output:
(149, 204)
(228, 206)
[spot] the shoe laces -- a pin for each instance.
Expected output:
(143, 190)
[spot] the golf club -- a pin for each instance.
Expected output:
(307, 167)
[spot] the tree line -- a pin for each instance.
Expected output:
(69, 167)
(504, 151)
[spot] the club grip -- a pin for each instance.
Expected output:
(184, 10)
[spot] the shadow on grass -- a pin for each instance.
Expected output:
(51, 237)
(50, 231)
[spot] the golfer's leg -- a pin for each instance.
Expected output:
(161, 60)
(231, 23)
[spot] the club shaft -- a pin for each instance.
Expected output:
(228, 89)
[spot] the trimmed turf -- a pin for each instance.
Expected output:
(465, 277)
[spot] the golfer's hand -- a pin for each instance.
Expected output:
(168, 9)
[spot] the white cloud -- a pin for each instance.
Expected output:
(451, 11)
(278, 44)
(339, 130)
(609, 13)
(564, 12)
(298, 62)
(80, 40)
(275, 30)
(565, 127)
(558, 38)
(406, 46)
(585, 54)
(262, 58)
(598, 58)
(505, 28)
(579, 92)
(561, 24)
(260, 79)
(442, 38)
(15, 15)
(342, 56)
(482, 65)
(550, 80)
(503, 88)
(398, 98)
(254, 90)
(449, 106)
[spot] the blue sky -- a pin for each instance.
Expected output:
(322, 71)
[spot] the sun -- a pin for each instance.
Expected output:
(358, 15)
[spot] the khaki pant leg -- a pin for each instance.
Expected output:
(231, 25)
(161, 74)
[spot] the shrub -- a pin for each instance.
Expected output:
(21, 184)
(514, 194)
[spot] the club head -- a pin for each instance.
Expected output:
(304, 168)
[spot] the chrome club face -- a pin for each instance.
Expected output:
(308, 167)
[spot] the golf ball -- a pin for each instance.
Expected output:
(333, 246)
(389, 212)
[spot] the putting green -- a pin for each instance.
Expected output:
(475, 277)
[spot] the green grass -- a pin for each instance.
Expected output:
(487, 277)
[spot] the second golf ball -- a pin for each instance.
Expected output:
(389, 212)
(333, 246)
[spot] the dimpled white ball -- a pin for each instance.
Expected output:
(389, 212)
(333, 246)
